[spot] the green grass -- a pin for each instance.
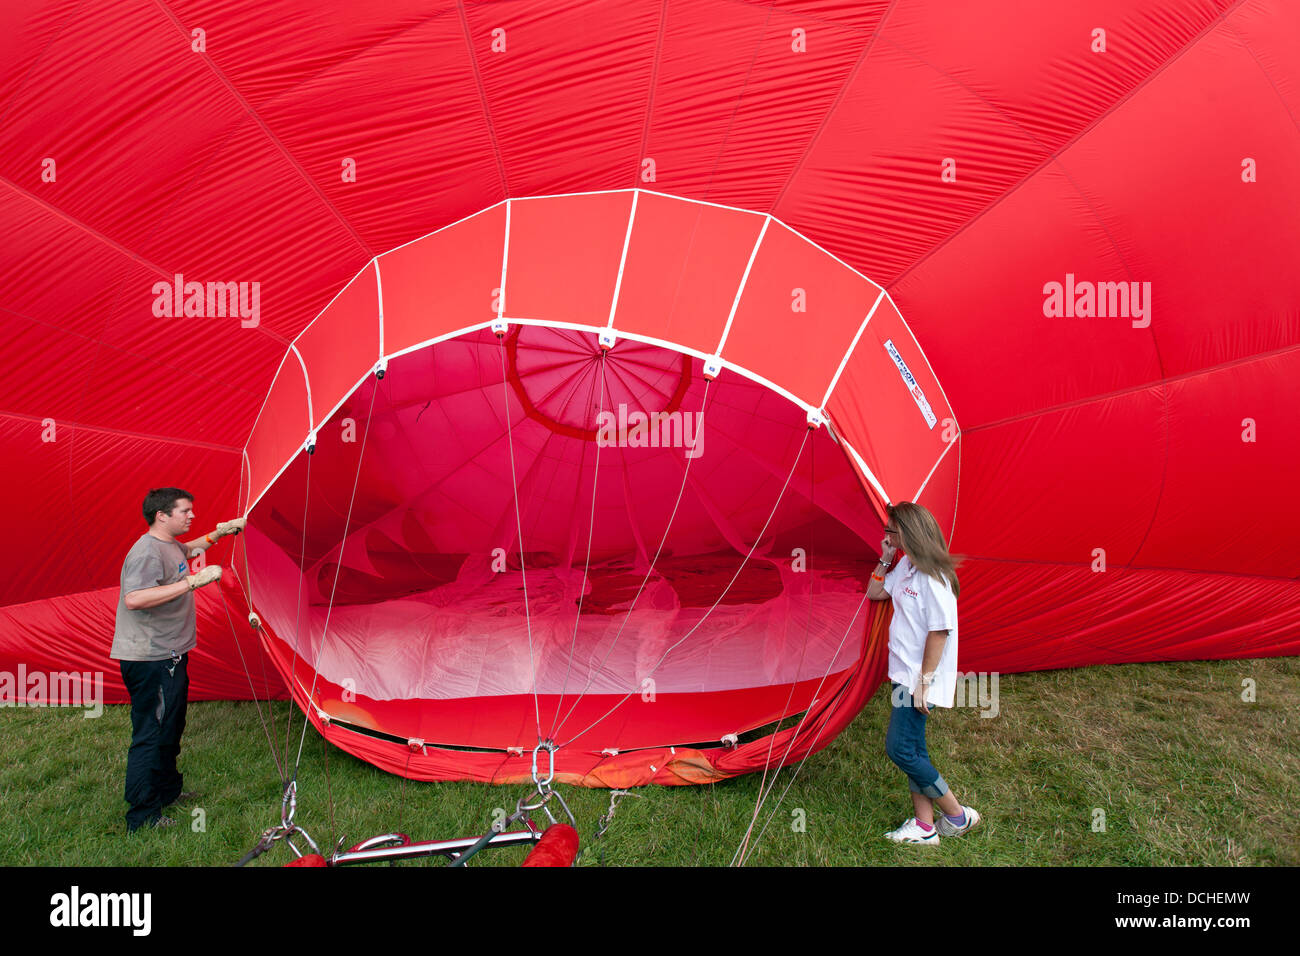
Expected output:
(1184, 770)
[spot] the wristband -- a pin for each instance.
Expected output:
(877, 577)
(208, 539)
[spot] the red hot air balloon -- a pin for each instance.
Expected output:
(1029, 267)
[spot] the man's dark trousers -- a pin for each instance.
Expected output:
(159, 694)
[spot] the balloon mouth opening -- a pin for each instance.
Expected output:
(531, 536)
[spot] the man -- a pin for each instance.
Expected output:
(152, 640)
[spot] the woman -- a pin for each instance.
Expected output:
(922, 663)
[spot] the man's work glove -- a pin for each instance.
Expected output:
(209, 574)
(229, 527)
(223, 528)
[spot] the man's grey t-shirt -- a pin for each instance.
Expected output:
(153, 633)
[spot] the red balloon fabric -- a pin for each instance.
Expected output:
(759, 269)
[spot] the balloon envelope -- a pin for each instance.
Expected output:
(1082, 218)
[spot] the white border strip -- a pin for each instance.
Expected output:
(589, 192)
(705, 202)
(347, 285)
(592, 192)
(485, 209)
(265, 398)
(852, 345)
(244, 463)
(875, 482)
(379, 290)
(505, 258)
(311, 426)
(956, 500)
(594, 330)
(303, 332)
(744, 279)
(767, 220)
(942, 455)
(627, 241)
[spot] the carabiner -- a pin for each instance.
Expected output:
(549, 746)
(289, 805)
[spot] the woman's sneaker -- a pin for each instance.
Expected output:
(952, 830)
(911, 832)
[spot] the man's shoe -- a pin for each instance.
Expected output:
(911, 832)
(163, 822)
(189, 796)
(950, 830)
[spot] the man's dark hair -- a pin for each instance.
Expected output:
(162, 499)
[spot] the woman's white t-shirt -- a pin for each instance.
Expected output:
(921, 604)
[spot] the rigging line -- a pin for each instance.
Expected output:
(794, 737)
(519, 529)
(338, 570)
(261, 661)
(697, 624)
(506, 758)
(742, 852)
(781, 799)
(261, 657)
(329, 792)
(256, 703)
(401, 804)
(803, 652)
(591, 529)
(591, 672)
(297, 621)
(245, 586)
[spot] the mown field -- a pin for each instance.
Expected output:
(1132, 765)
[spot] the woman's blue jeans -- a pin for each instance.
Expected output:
(905, 744)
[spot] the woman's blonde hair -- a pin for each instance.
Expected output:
(923, 541)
